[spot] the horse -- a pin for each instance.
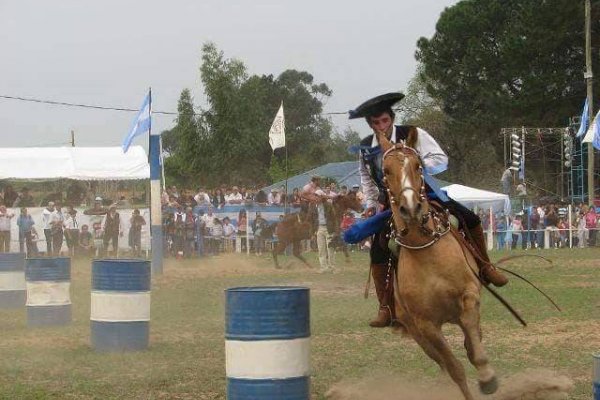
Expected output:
(300, 226)
(436, 280)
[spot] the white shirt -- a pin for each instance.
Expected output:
(47, 217)
(432, 156)
(71, 222)
(274, 199)
(228, 230)
(234, 198)
(209, 220)
(5, 222)
(202, 199)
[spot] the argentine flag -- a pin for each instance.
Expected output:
(141, 123)
(593, 134)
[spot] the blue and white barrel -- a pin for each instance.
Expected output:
(596, 377)
(48, 282)
(120, 309)
(267, 343)
(13, 292)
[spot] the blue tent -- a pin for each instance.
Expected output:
(344, 173)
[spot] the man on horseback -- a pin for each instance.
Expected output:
(380, 117)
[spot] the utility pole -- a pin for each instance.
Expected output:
(589, 81)
(72, 138)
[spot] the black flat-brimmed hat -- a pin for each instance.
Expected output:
(376, 105)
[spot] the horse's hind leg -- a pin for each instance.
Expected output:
(296, 250)
(278, 249)
(433, 335)
(469, 323)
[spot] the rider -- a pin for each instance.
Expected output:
(380, 117)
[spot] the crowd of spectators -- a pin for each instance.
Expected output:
(538, 224)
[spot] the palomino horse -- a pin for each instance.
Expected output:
(436, 280)
(300, 226)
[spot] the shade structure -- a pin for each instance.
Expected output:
(80, 163)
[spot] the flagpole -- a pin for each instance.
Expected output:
(156, 233)
(588, 77)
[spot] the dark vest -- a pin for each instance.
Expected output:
(371, 156)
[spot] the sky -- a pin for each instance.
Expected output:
(110, 52)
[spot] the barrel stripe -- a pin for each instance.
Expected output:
(13, 299)
(12, 262)
(48, 269)
(120, 307)
(41, 294)
(596, 376)
(267, 313)
(279, 359)
(121, 275)
(268, 389)
(120, 336)
(12, 280)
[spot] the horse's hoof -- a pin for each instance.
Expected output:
(489, 387)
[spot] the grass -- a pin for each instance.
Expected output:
(186, 357)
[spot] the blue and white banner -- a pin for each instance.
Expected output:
(585, 120)
(141, 123)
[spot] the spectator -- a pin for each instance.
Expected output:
(47, 215)
(516, 230)
(86, 242)
(261, 198)
(359, 194)
(228, 228)
(26, 233)
(274, 198)
(242, 230)
(72, 230)
(5, 218)
(216, 236)
(178, 232)
(344, 190)
(135, 232)
(506, 180)
(112, 231)
(590, 224)
(189, 233)
(202, 199)
(235, 197)
(295, 199)
(10, 195)
(25, 199)
(582, 232)
(97, 209)
(258, 226)
(521, 190)
(218, 200)
(57, 230)
(501, 232)
(347, 220)
(209, 219)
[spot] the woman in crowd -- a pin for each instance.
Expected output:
(135, 232)
(501, 232)
(590, 224)
(218, 199)
(516, 231)
(57, 230)
(242, 230)
(295, 199)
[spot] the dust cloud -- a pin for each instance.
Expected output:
(527, 385)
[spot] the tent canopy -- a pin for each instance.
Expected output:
(471, 197)
(80, 163)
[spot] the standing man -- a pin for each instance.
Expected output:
(5, 218)
(324, 218)
(379, 116)
(506, 180)
(112, 230)
(47, 216)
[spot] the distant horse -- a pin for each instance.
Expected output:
(300, 226)
(436, 280)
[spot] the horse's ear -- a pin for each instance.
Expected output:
(383, 141)
(412, 137)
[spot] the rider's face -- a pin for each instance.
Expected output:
(381, 123)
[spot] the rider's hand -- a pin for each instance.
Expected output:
(369, 212)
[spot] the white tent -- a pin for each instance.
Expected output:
(471, 197)
(81, 163)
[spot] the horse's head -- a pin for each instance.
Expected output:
(403, 177)
(349, 201)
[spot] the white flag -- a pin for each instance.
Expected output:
(277, 131)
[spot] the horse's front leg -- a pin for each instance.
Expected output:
(470, 325)
(279, 248)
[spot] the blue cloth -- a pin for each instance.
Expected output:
(141, 123)
(367, 227)
(585, 120)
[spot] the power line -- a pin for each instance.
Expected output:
(106, 108)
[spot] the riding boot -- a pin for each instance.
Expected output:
(487, 271)
(384, 318)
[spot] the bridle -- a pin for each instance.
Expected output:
(440, 219)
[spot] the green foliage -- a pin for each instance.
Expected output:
(228, 142)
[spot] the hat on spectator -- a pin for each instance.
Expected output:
(98, 198)
(355, 186)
